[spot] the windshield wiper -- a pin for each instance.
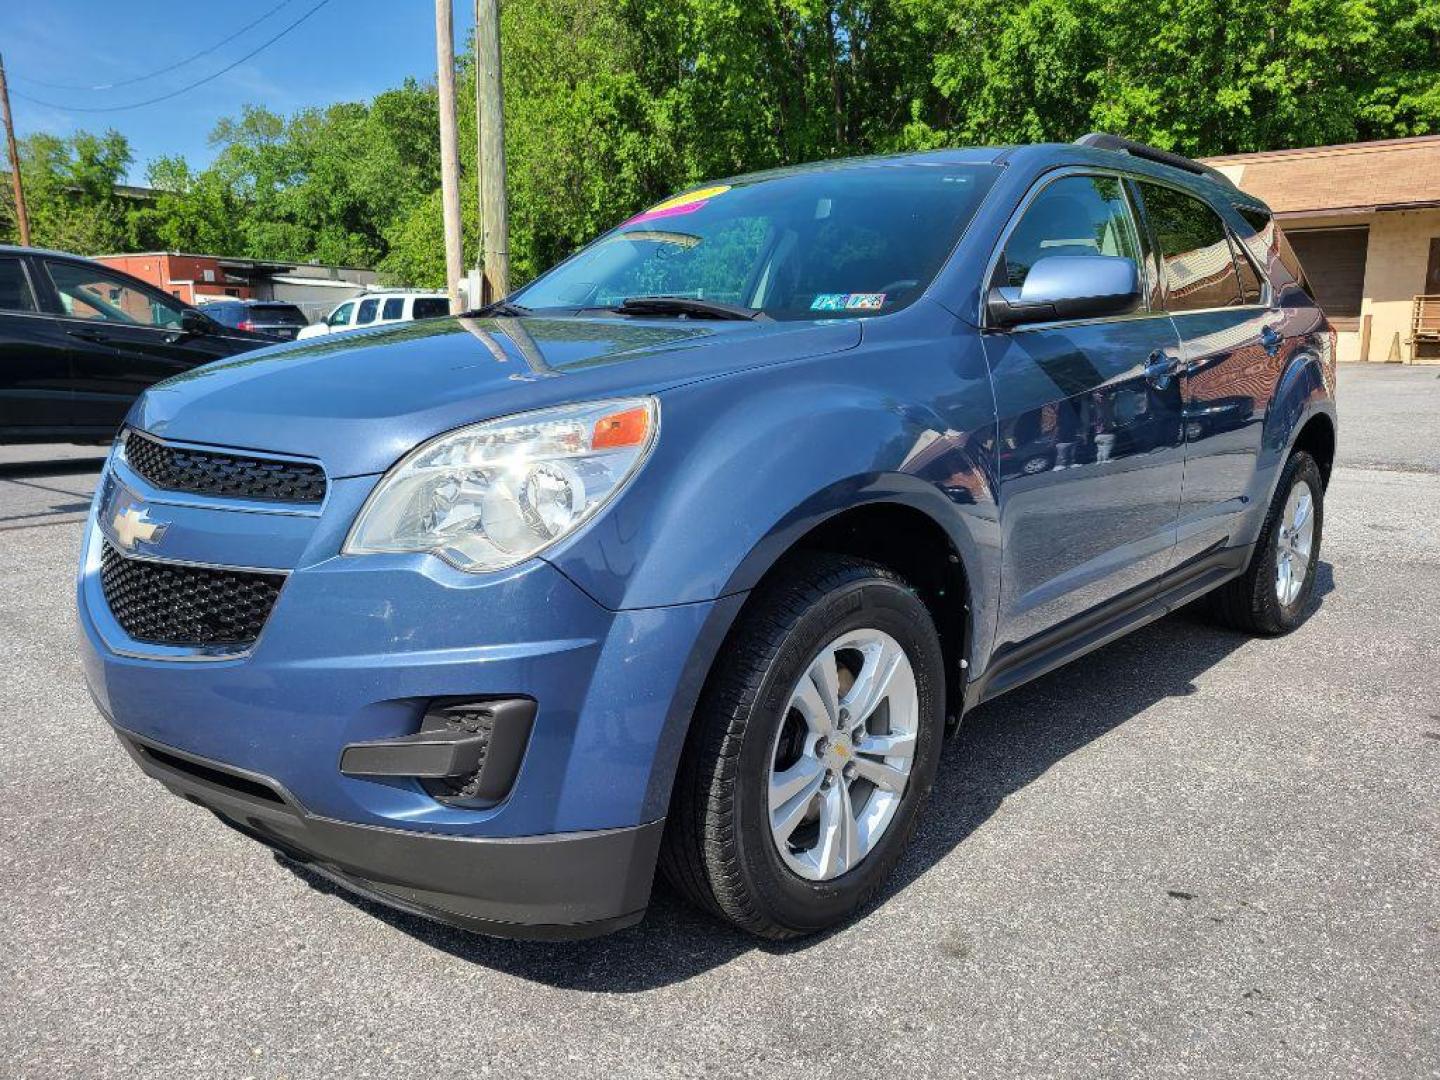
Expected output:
(686, 305)
(498, 307)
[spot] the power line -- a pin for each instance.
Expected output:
(159, 71)
(184, 89)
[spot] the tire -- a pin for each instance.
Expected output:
(720, 847)
(1253, 602)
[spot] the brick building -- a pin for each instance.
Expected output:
(197, 279)
(1365, 220)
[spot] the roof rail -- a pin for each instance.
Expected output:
(1100, 141)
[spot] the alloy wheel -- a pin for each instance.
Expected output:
(841, 760)
(1294, 540)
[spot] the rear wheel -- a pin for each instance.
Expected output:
(1273, 595)
(813, 748)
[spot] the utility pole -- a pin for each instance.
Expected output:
(449, 149)
(490, 109)
(22, 216)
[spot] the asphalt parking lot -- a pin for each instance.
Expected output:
(1190, 854)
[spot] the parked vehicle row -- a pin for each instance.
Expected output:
(690, 553)
(80, 341)
(275, 320)
(380, 309)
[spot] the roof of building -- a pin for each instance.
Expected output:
(1387, 174)
(231, 260)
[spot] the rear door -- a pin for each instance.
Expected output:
(123, 337)
(34, 358)
(1090, 449)
(1231, 357)
(393, 309)
(367, 311)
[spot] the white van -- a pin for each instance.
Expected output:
(374, 309)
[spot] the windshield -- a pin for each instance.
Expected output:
(829, 243)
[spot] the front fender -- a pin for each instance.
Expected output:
(749, 463)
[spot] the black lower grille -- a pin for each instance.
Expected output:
(212, 472)
(169, 604)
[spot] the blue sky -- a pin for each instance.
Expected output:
(347, 51)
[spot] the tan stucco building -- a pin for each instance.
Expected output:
(1365, 221)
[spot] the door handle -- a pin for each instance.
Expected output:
(88, 335)
(1271, 340)
(1160, 367)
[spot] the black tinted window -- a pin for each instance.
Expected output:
(284, 314)
(15, 293)
(1199, 266)
(366, 314)
(429, 307)
(394, 308)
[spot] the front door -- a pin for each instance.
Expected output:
(34, 360)
(123, 338)
(1090, 450)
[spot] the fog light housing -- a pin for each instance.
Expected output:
(467, 752)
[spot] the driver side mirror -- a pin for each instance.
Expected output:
(1067, 287)
(194, 322)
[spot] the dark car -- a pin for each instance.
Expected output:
(79, 342)
(689, 554)
(275, 320)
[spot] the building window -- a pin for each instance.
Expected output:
(1334, 261)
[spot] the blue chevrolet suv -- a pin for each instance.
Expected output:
(689, 554)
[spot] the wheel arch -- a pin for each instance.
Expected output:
(899, 532)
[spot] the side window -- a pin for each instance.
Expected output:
(15, 291)
(1251, 290)
(428, 307)
(394, 308)
(341, 315)
(86, 293)
(366, 313)
(1194, 250)
(1077, 215)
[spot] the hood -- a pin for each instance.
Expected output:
(358, 401)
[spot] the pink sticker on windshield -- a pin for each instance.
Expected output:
(687, 203)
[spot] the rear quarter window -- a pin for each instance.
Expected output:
(431, 307)
(1272, 238)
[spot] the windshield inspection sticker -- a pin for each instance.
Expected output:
(859, 301)
(687, 203)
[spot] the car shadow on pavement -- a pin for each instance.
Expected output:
(17, 470)
(1001, 747)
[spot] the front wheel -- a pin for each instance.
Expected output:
(814, 746)
(1273, 595)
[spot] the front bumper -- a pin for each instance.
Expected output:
(561, 886)
(355, 651)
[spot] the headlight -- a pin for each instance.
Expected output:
(492, 495)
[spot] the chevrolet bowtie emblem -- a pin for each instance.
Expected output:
(132, 525)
